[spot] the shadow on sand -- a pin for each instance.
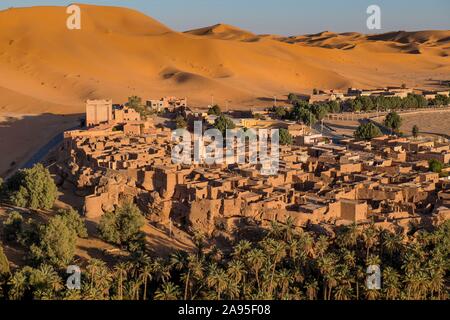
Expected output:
(25, 139)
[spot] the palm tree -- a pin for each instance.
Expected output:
(94, 265)
(391, 283)
(312, 289)
(145, 276)
(236, 270)
(161, 270)
(326, 266)
(217, 278)
(255, 259)
(241, 248)
(284, 280)
(343, 292)
(321, 245)
(306, 244)
(348, 236)
(289, 229)
(370, 237)
(120, 271)
(53, 279)
(277, 251)
(169, 291)
(19, 284)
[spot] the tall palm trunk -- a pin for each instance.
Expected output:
(145, 288)
(187, 284)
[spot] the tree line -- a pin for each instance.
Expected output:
(279, 262)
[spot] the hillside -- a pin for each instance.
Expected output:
(120, 52)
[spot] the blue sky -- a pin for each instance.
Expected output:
(287, 17)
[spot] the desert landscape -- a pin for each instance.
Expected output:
(119, 52)
(351, 203)
(47, 68)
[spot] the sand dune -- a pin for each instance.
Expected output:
(120, 52)
(224, 32)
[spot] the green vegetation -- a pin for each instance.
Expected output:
(280, 112)
(13, 227)
(73, 220)
(367, 131)
(285, 137)
(440, 100)
(309, 114)
(123, 227)
(382, 103)
(135, 102)
(56, 244)
(180, 122)
(435, 166)
(215, 110)
(223, 123)
(4, 263)
(415, 131)
(284, 263)
(31, 188)
(393, 121)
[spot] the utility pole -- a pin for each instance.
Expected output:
(212, 100)
(170, 228)
(275, 100)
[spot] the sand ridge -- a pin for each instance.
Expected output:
(121, 52)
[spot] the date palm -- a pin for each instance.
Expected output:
(146, 276)
(19, 284)
(236, 270)
(168, 291)
(284, 279)
(217, 279)
(241, 248)
(277, 251)
(255, 260)
(391, 283)
(312, 289)
(120, 272)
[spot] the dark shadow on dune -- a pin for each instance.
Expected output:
(26, 140)
(281, 99)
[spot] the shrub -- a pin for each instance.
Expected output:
(367, 131)
(57, 243)
(74, 221)
(32, 188)
(13, 226)
(435, 166)
(415, 131)
(180, 122)
(285, 137)
(223, 124)
(122, 226)
(215, 110)
(393, 121)
(4, 264)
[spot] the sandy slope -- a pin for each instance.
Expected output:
(120, 52)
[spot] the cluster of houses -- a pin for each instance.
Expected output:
(386, 179)
(352, 93)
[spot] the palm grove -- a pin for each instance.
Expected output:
(280, 263)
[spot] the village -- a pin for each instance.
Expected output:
(320, 184)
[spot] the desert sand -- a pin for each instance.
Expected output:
(119, 52)
(47, 69)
